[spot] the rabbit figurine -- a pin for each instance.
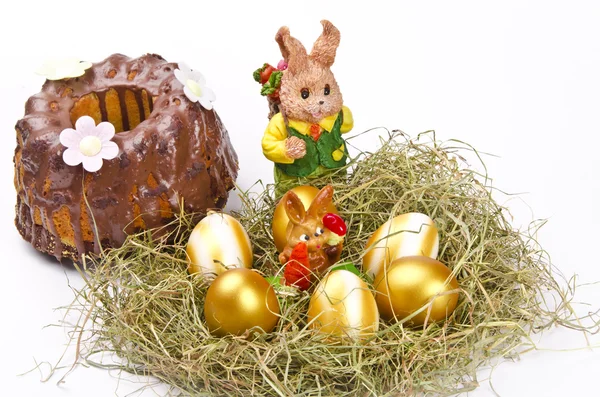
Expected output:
(306, 227)
(305, 138)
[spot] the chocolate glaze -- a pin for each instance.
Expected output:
(180, 145)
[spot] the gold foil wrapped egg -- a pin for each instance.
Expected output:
(306, 194)
(343, 306)
(238, 300)
(412, 282)
(409, 234)
(218, 242)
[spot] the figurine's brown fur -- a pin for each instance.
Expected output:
(310, 72)
(308, 222)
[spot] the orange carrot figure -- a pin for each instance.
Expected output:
(297, 271)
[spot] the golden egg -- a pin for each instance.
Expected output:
(409, 234)
(218, 242)
(306, 194)
(412, 282)
(238, 300)
(343, 305)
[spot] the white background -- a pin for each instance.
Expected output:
(518, 79)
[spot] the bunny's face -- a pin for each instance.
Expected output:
(311, 232)
(309, 91)
(311, 94)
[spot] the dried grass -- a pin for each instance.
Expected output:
(140, 303)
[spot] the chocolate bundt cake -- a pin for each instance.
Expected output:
(171, 152)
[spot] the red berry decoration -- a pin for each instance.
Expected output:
(265, 74)
(297, 271)
(334, 223)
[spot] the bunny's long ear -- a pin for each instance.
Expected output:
(318, 208)
(294, 208)
(292, 50)
(284, 30)
(323, 51)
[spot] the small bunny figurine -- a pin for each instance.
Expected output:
(306, 227)
(305, 138)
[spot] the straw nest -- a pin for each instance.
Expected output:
(141, 304)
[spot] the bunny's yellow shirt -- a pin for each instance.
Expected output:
(273, 142)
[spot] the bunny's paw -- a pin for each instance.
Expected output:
(295, 147)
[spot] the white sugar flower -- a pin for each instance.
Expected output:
(89, 143)
(59, 69)
(194, 86)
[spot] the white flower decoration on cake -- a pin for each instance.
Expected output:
(89, 143)
(59, 69)
(194, 86)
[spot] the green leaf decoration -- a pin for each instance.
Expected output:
(275, 79)
(267, 89)
(256, 75)
(347, 266)
(258, 71)
(275, 281)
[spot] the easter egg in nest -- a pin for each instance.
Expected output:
(217, 243)
(405, 235)
(239, 300)
(412, 282)
(342, 305)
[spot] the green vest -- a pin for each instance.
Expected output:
(317, 153)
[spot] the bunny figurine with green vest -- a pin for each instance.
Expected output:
(304, 138)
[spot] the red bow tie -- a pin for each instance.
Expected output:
(315, 131)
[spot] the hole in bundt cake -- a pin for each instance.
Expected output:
(123, 107)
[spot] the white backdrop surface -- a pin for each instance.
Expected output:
(518, 79)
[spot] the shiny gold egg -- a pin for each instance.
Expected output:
(238, 300)
(343, 306)
(217, 243)
(409, 234)
(410, 283)
(306, 194)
